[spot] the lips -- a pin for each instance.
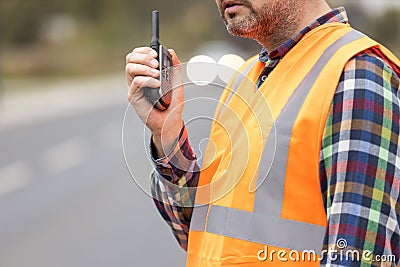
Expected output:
(230, 4)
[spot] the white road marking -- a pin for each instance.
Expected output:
(65, 155)
(14, 176)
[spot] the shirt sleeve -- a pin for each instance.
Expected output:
(173, 185)
(359, 166)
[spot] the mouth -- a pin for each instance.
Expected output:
(229, 6)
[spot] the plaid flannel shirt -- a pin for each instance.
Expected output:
(359, 160)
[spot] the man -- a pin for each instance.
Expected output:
(332, 187)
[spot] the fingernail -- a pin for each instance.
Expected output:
(154, 63)
(154, 71)
(153, 53)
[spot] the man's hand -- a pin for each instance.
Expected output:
(141, 72)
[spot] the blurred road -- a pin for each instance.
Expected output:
(66, 196)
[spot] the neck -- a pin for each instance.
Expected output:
(309, 12)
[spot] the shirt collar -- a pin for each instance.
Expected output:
(335, 15)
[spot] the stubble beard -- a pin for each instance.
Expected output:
(247, 27)
(274, 23)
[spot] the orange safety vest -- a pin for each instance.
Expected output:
(259, 188)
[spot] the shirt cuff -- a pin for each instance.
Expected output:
(178, 161)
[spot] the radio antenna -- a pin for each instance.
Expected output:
(155, 42)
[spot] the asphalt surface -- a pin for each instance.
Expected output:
(66, 196)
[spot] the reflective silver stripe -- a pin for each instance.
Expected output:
(237, 83)
(265, 224)
(199, 214)
(264, 229)
(269, 195)
(198, 220)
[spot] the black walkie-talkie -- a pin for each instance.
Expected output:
(160, 97)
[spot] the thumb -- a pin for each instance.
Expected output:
(177, 80)
(176, 70)
(175, 59)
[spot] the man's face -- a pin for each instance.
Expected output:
(252, 18)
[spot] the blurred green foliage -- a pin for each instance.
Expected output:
(81, 37)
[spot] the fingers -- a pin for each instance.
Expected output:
(142, 68)
(143, 59)
(132, 70)
(141, 62)
(145, 50)
(142, 55)
(141, 82)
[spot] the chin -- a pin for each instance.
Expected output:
(239, 31)
(243, 27)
